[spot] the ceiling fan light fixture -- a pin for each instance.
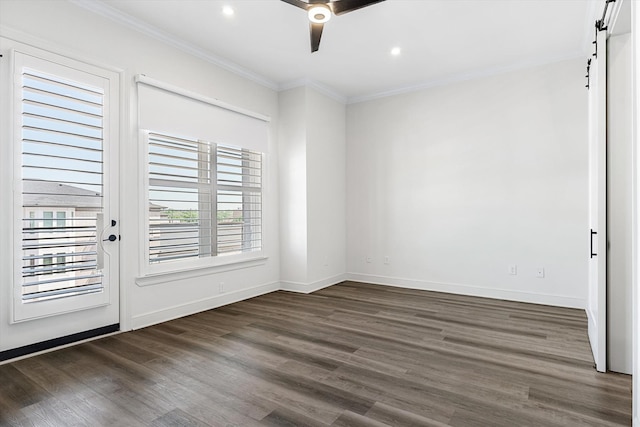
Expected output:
(319, 14)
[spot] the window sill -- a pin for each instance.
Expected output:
(165, 277)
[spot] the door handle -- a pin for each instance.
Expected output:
(100, 232)
(591, 243)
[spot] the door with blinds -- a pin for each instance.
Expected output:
(65, 240)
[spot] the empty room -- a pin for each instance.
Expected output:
(319, 212)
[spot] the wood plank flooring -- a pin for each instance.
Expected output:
(349, 355)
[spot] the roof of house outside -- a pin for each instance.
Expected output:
(57, 195)
(54, 194)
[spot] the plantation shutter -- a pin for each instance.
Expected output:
(239, 200)
(204, 174)
(62, 136)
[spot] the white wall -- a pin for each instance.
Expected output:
(453, 184)
(326, 187)
(619, 205)
(292, 140)
(63, 28)
(312, 189)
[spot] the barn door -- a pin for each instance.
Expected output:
(597, 298)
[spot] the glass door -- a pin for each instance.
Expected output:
(65, 198)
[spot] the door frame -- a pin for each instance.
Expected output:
(10, 39)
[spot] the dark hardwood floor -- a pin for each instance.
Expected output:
(349, 355)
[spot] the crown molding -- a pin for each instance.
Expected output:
(615, 21)
(109, 12)
(106, 11)
(460, 77)
(318, 87)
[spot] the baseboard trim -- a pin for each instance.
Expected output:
(307, 288)
(181, 310)
(462, 289)
(55, 343)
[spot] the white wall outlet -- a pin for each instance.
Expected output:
(386, 260)
(369, 260)
(540, 272)
(221, 287)
(513, 269)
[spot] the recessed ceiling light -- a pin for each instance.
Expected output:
(228, 11)
(396, 51)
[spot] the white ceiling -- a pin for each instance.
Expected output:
(441, 40)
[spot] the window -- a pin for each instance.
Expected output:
(204, 188)
(47, 262)
(205, 199)
(61, 260)
(48, 219)
(61, 219)
(62, 134)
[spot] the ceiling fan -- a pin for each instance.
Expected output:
(320, 11)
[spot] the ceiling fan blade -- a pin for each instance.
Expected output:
(344, 6)
(298, 3)
(316, 33)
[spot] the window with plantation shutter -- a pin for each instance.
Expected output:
(204, 179)
(205, 199)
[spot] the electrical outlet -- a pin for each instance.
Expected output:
(540, 272)
(513, 269)
(369, 260)
(386, 260)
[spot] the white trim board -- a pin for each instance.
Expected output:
(470, 290)
(307, 288)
